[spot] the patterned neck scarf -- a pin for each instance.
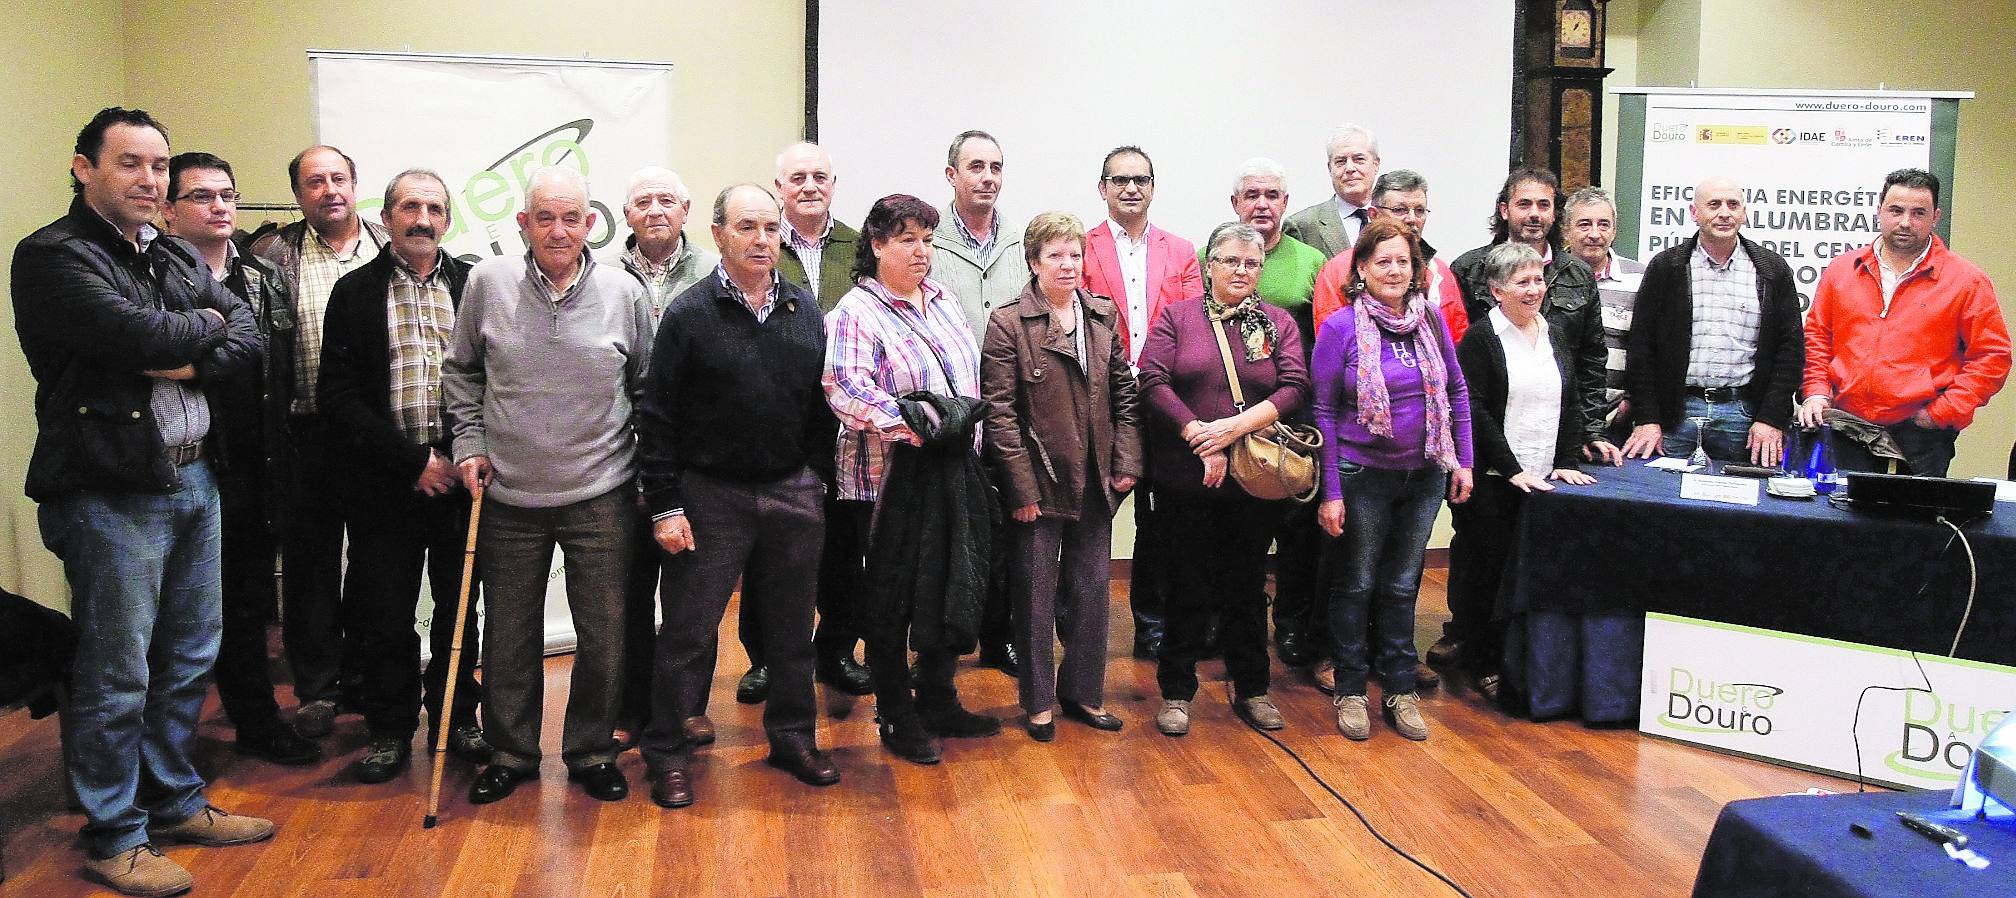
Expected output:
(1375, 405)
(1256, 330)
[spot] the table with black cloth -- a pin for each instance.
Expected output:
(1801, 845)
(1588, 562)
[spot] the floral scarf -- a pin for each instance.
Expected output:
(1256, 330)
(1375, 405)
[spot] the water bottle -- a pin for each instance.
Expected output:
(1820, 463)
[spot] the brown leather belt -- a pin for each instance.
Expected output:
(182, 455)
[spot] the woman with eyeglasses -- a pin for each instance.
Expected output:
(1395, 414)
(1217, 534)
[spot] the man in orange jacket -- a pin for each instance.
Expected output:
(1905, 334)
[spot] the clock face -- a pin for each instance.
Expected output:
(1576, 29)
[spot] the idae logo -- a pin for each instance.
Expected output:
(485, 205)
(1700, 705)
(1938, 737)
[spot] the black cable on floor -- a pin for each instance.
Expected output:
(1346, 802)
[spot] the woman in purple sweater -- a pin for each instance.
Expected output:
(1219, 534)
(1395, 415)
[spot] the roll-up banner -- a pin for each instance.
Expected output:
(486, 123)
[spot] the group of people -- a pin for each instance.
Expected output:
(913, 436)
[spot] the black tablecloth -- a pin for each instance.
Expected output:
(1630, 543)
(1800, 845)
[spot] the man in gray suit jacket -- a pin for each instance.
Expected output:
(1333, 224)
(1590, 218)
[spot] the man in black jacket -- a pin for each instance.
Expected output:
(124, 331)
(737, 446)
(1716, 335)
(251, 413)
(387, 332)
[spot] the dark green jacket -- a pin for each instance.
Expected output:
(835, 266)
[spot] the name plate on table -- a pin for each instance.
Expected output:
(1711, 488)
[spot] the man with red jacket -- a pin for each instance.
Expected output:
(1905, 334)
(1141, 268)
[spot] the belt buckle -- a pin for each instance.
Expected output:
(185, 454)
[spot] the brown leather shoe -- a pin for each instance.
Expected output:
(1425, 677)
(140, 870)
(212, 826)
(810, 765)
(671, 787)
(700, 730)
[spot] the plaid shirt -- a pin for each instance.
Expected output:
(1727, 313)
(877, 350)
(810, 250)
(321, 268)
(665, 282)
(420, 317)
(982, 250)
(769, 299)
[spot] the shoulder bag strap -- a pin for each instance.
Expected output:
(1225, 353)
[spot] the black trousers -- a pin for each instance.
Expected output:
(841, 569)
(888, 667)
(1477, 556)
(640, 629)
(1218, 546)
(768, 536)
(315, 625)
(394, 538)
(1148, 581)
(244, 680)
(1299, 605)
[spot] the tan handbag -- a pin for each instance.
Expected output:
(1278, 461)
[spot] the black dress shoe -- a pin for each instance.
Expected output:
(671, 787)
(911, 742)
(1290, 647)
(1099, 721)
(497, 782)
(278, 744)
(958, 723)
(1041, 732)
(1149, 648)
(846, 676)
(602, 782)
(1445, 652)
(1003, 657)
(810, 765)
(754, 686)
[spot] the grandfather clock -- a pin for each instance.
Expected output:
(1557, 88)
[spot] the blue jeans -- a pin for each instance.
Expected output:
(145, 573)
(1728, 430)
(1375, 573)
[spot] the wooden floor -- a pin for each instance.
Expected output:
(1504, 807)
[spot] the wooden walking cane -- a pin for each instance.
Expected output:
(454, 660)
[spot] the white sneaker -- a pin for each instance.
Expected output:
(1354, 718)
(1174, 718)
(1404, 711)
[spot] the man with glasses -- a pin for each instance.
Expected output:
(329, 242)
(1141, 268)
(251, 409)
(1332, 226)
(1288, 280)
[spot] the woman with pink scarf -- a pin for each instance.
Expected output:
(1395, 414)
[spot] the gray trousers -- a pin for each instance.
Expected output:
(1059, 571)
(515, 548)
(769, 536)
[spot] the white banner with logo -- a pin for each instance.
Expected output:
(486, 124)
(1793, 699)
(1811, 167)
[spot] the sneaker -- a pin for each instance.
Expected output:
(467, 742)
(1259, 712)
(1174, 718)
(140, 871)
(382, 760)
(1354, 719)
(315, 719)
(1325, 673)
(1404, 712)
(212, 826)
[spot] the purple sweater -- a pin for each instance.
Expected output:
(1183, 378)
(1334, 368)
